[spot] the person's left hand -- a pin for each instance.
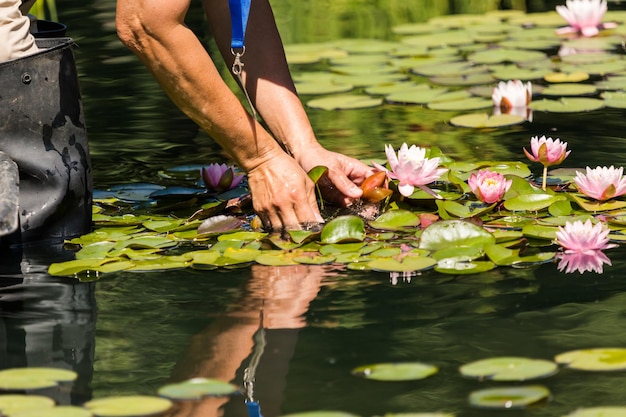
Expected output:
(345, 174)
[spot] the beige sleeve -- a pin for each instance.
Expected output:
(16, 39)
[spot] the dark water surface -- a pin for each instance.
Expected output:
(131, 333)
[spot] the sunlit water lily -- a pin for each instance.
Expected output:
(601, 183)
(593, 261)
(579, 237)
(584, 17)
(411, 168)
(512, 97)
(220, 177)
(548, 152)
(488, 186)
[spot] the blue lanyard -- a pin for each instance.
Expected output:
(239, 11)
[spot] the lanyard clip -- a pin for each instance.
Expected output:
(237, 63)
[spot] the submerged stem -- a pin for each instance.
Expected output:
(544, 179)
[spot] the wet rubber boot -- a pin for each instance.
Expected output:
(42, 129)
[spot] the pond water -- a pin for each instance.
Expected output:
(131, 333)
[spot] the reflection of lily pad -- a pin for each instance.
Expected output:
(132, 405)
(347, 101)
(509, 398)
(598, 359)
(509, 369)
(197, 388)
(402, 371)
(482, 120)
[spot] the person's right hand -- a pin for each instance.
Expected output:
(283, 195)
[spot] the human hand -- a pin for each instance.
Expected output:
(283, 195)
(345, 174)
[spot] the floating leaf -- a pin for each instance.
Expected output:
(566, 77)
(409, 263)
(15, 403)
(401, 371)
(567, 105)
(58, 411)
(483, 120)
(128, 406)
(606, 411)
(597, 359)
(320, 414)
(197, 388)
(395, 220)
(219, 224)
(568, 89)
(448, 233)
(532, 202)
(343, 229)
(342, 102)
(34, 378)
(509, 398)
(458, 267)
(509, 368)
(496, 55)
(316, 173)
(471, 103)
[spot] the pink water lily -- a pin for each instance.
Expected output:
(584, 17)
(547, 151)
(220, 177)
(411, 168)
(592, 261)
(601, 183)
(579, 237)
(488, 186)
(512, 95)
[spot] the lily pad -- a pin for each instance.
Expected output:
(34, 378)
(409, 263)
(597, 359)
(128, 406)
(494, 56)
(58, 411)
(465, 104)
(343, 229)
(567, 105)
(606, 411)
(510, 397)
(532, 202)
(344, 102)
(454, 266)
(449, 233)
(402, 371)
(197, 388)
(568, 89)
(483, 120)
(14, 403)
(320, 414)
(395, 220)
(509, 368)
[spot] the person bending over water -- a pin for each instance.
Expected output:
(277, 160)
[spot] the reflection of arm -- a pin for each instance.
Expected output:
(284, 294)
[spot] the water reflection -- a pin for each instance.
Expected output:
(48, 322)
(253, 340)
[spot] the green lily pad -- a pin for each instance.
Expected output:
(464, 80)
(395, 220)
(449, 233)
(322, 88)
(617, 82)
(416, 94)
(409, 263)
(510, 397)
(58, 411)
(597, 359)
(568, 89)
(497, 55)
(401, 371)
(275, 258)
(540, 232)
(566, 77)
(314, 260)
(343, 229)
(15, 403)
(128, 406)
(466, 210)
(597, 206)
(345, 101)
(503, 256)
(197, 388)
(483, 120)
(34, 378)
(532, 202)
(614, 99)
(439, 39)
(605, 411)
(567, 105)
(454, 266)
(470, 103)
(509, 368)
